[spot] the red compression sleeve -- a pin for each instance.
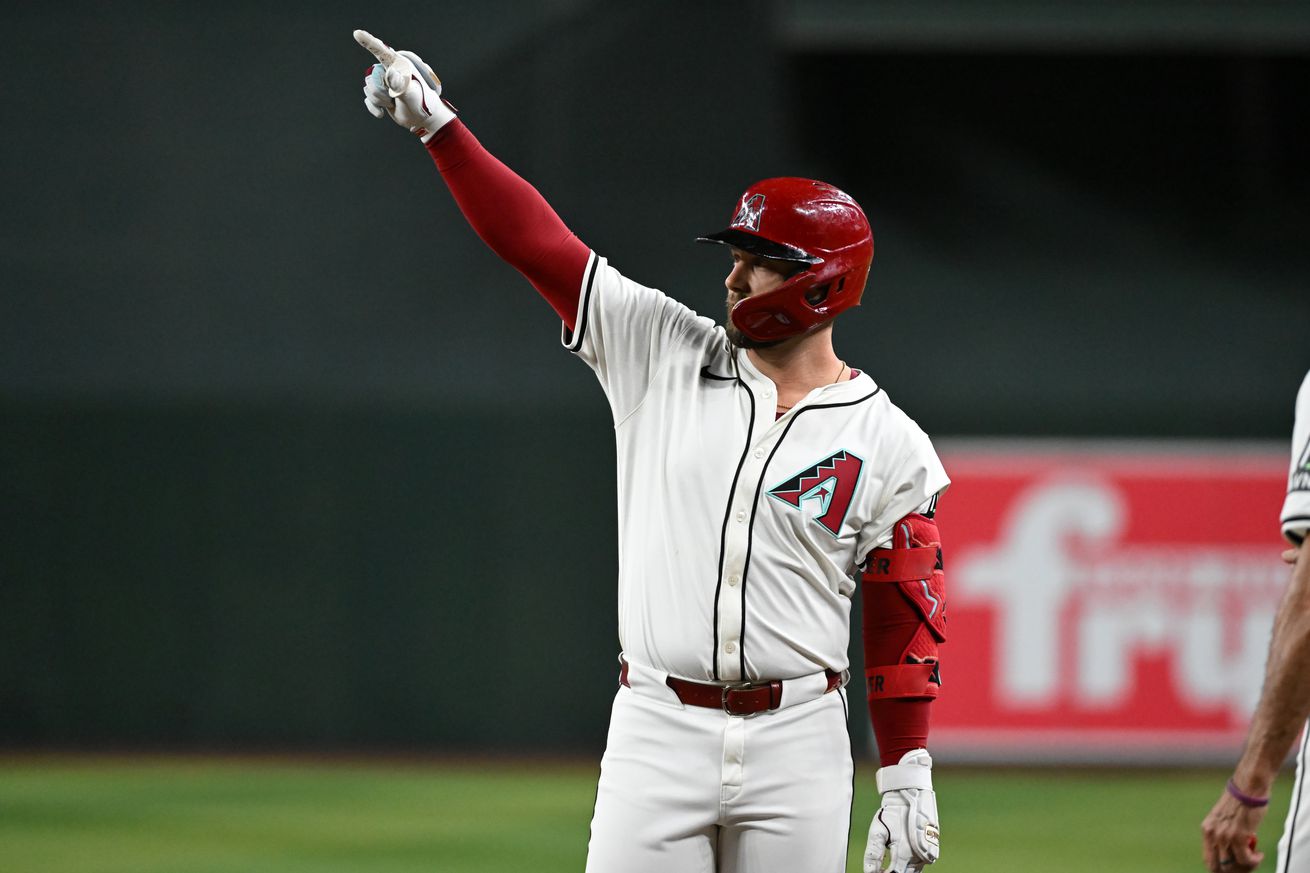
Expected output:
(512, 218)
(900, 724)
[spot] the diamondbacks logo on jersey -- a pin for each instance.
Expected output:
(825, 488)
(748, 217)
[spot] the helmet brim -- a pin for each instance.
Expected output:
(757, 245)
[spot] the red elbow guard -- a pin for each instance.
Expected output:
(905, 612)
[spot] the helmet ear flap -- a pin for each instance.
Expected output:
(816, 295)
(820, 293)
(790, 309)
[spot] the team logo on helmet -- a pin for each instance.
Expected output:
(828, 487)
(748, 217)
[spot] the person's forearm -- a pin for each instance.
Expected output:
(1285, 699)
(899, 726)
(512, 217)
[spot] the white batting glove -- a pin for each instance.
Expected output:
(906, 825)
(402, 86)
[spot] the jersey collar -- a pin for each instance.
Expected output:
(836, 392)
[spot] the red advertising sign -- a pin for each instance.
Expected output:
(1107, 602)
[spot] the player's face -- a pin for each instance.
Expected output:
(751, 276)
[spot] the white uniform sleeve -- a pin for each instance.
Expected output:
(1296, 509)
(913, 486)
(624, 332)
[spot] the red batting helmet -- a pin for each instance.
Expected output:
(811, 223)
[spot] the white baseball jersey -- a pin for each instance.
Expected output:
(740, 535)
(1296, 508)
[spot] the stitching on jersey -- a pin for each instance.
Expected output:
(723, 543)
(575, 342)
(755, 504)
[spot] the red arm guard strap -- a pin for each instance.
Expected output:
(512, 218)
(903, 623)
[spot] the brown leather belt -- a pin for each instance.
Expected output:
(746, 698)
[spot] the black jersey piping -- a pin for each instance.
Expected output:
(1293, 520)
(850, 809)
(575, 341)
(1296, 803)
(727, 514)
(750, 533)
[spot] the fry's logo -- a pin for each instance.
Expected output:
(1074, 608)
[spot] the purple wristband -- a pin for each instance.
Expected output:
(1246, 799)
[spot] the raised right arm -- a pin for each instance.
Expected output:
(505, 211)
(512, 218)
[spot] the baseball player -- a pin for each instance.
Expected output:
(1228, 832)
(761, 479)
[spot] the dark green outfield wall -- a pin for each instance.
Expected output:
(287, 458)
(247, 575)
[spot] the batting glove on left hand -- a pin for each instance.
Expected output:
(402, 86)
(906, 825)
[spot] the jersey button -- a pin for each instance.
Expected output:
(733, 580)
(759, 453)
(741, 515)
(768, 392)
(730, 647)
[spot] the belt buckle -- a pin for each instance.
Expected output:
(742, 686)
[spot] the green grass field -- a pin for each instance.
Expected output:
(207, 815)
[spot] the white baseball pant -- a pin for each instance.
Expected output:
(1294, 845)
(695, 790)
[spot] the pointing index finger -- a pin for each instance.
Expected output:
(380, 50)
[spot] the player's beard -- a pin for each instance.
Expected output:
(736, 337)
